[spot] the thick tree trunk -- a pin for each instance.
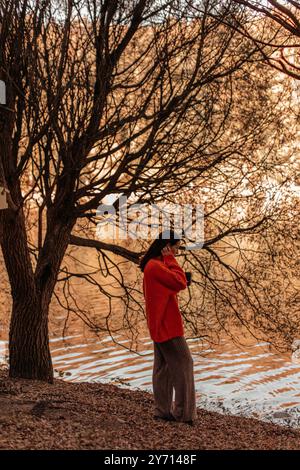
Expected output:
(29, 352)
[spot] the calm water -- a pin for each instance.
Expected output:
(250, 382)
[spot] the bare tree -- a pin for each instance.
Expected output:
(109, 97)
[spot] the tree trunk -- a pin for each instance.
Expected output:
(29, 352)
(29, 355)
(31, 290)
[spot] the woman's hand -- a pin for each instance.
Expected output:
(167, 251)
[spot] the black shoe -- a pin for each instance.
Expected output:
(165, 418)
(191, 423)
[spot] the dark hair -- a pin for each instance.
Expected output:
(165, 237)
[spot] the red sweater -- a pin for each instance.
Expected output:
(162, 280)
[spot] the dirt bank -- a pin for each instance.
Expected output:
(37, 415)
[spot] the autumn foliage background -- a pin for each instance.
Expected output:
(164, 102)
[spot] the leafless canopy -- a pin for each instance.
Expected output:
(160, 101)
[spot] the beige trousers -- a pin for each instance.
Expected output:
(173, 368)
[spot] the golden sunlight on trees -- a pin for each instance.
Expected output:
(162, 102)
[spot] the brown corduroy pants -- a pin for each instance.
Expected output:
(173, 368)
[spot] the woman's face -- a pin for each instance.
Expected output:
(175, 247)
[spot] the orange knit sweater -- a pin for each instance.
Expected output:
(161, 283)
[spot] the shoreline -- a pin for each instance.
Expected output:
(66, 415)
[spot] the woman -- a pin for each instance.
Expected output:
(173, 363)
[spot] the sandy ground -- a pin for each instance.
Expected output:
(65, 415)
